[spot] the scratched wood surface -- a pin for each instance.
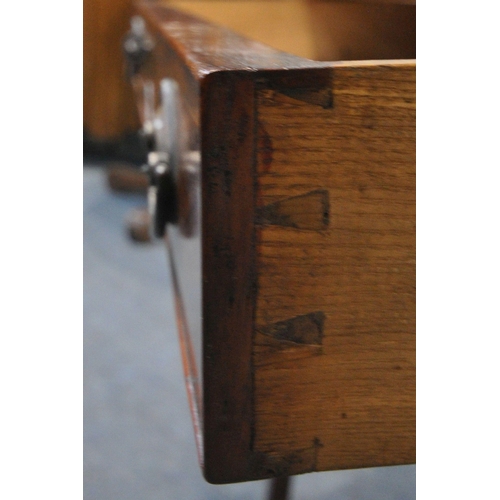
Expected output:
(334, 350)
(326, 30)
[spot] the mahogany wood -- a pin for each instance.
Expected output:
(279, 488)
(307, 250)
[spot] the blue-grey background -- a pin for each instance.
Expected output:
(138, 437)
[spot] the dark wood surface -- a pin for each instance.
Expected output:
(327, 30)
(307, 305)
(229, 274)
(205, 48)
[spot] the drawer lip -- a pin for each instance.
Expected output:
(206, 48)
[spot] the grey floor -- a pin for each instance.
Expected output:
(138, 439)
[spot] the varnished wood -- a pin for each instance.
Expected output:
(215, 71)
(279, 488)
(326, 30)
(307, 249)
(228, 274)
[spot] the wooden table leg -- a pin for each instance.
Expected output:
(279, 488)
(126, 178)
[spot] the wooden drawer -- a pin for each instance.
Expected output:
(293, 250)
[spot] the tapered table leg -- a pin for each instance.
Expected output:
(279, 488)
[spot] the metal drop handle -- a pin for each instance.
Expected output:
(137, 45)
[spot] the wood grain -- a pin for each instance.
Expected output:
(352, 404)
(325, 30)
(307, 249)
(228, 274)
(216, 71)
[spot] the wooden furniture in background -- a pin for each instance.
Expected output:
(326, 30)
(108, 102)
(321, 30)
(295, 278)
